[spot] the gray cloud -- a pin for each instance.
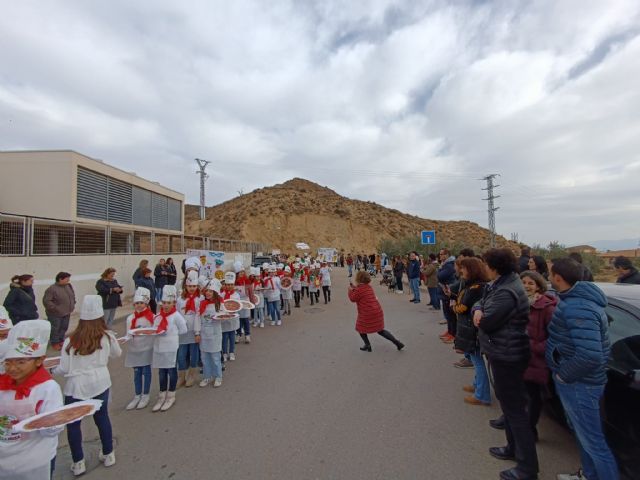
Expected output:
(403, 103)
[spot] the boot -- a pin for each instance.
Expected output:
(162, 396)
(144, 401)
(171, 399)
(192, 375)
(182, 374)
(386, 334)
(133, 403)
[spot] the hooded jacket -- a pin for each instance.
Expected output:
(539, 319)
(578, 345)
(447, 272)
(21, 303)
(632, 277)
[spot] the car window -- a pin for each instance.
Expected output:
(622, 324)
(624, 334)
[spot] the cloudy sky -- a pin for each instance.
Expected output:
(404, 103)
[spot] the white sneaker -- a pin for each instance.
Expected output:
(399, 292)
(108, 460)
(205, 382)
(272, 323)
(237, 339)
(571, 476)
(162, 396)
(225, 357)
(279, 322)
(232, 357)
(133, 403)
(217, 382)
(168, 403)
(262, 325)
(247, 339)
(78, 468)
(144, 401)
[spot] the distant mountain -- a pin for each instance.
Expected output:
(624, 244)
(302, 211)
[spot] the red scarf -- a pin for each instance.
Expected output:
(205, 303)
(226, 295)
(270, 281)
(24, 389)
(164, 323)
(146, 313)
(191, 303)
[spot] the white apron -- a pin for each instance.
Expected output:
(190, 319)
(210, 331)
(165, 347)
(139, 348)
(232, 325)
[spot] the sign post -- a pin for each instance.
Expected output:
(428, 237)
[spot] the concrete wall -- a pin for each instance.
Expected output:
(85, 270)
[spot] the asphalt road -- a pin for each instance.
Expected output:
(303, 402)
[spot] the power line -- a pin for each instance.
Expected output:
(490, 207)
(202, 164)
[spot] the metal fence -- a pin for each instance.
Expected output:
(30, 236)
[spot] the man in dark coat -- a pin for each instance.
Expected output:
(587, 276)
(413, 274)
(627, 273)
(523, 261)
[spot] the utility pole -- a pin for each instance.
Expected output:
(491, 208)
(202, 164)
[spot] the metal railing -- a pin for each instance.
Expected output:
(32, 236)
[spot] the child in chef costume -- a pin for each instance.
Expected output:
(229, 327)
(169, 324)
(325, 281)
(287, 293)
(314, 292)
(271, 287)
(84, 358)
(188, 306)
(296, 284)
(304, 281)
(244, 289)
(256, 287)
(5, 325)
(211, 334)
(140, 348)
(27, 389)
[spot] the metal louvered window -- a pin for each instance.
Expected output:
(159, 211)
(141, 207)
(175, 214)
(119, 201)
(92, 195)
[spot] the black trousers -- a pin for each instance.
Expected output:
(534, 391)
(305, 289)
(326, 292)
(296, 297)
(399, 285)
(512, 395)
(383, 333)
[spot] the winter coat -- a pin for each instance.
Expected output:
(21, 303)
(59, 300)
(172, 278)
(370, 314)
(523, 263)
(109, 299)
(137, 275)
(466, 333)
(398, 269)
(503, 328)
(429, 271)
(540, 314)
(149, 284)
(632, 277)
(161, 280)
(414, 269)
(447, 272)
(578, 346)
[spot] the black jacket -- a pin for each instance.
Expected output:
(414, 269)
(161, 280)
(173, 274)
(398, 269)
(632, 277)
(523, 263)
(21, 303)
(148, 283)
(109, 299)
(466, 333)
(503, 328)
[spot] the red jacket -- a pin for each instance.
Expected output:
(370, 314)
(539, 319)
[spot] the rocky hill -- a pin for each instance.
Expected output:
(302, 211)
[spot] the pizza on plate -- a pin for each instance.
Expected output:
(60, 417)
(232, 305)
(226, 316)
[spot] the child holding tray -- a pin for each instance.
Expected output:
(169, 324)
(27, 389)
(211, 334)
(84, 359)
(140, 348)
(188, 306)
(244, 289)
(229, 327)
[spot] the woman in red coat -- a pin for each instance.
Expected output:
(370, 314)
(536, 377)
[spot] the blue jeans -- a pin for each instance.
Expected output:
(140, 373)
(414, 283)
(245, 326)
(481, 380)
(101, 419)
(229, 342)
(350, 267)
(168, 375)
(274, 310)
(258, 314)
(193, 349)
(212, 365)
(581, 404)
(433, 295)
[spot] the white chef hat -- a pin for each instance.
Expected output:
(192, 278)
(296, 265)
(142, 295)
(287, 269)
(192, 263)
(28, 339)
(214, 285)
(254, 271)
(169, 293)
(229, 278)
(91, 308)
(5, 321)
(272, 268)
(281, 266)
(265, 265)
(202, 281)
(237, 266)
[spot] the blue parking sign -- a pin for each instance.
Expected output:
(428, 237)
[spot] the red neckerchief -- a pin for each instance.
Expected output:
(191, 303)
(146, 313)
(164, 323)
(24, 389)
(241, 281)
(226, 295)
(205, 303)
(270, 280)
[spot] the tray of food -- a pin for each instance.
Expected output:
(232, 306)
(226, 316)
(144, 331)
(51, 362)
(248, 305)
(58, 417)
(123, 340)
(285, 282)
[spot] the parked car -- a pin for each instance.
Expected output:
(259, 260)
